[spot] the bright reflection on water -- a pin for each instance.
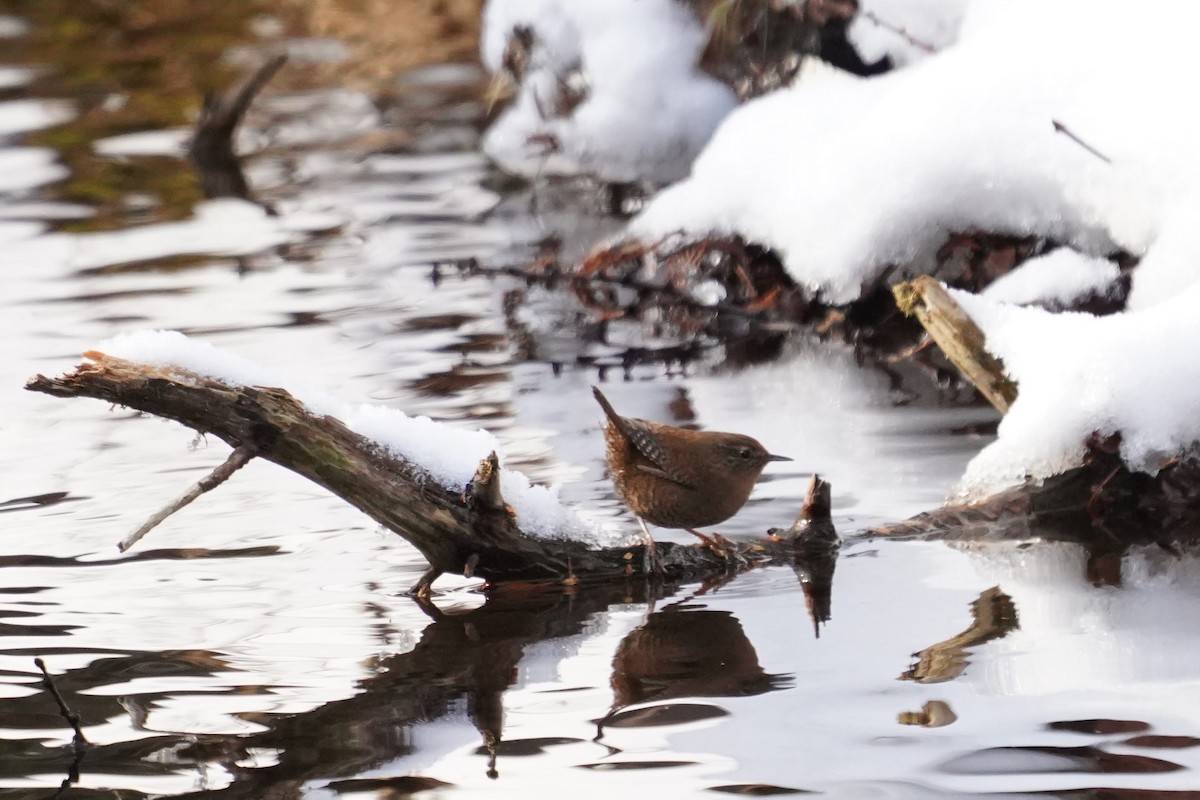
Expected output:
(258, 644)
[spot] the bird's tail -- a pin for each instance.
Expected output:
(613, 417)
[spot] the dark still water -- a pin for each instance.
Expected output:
(259, 644)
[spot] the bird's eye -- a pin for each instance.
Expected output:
(745, 453)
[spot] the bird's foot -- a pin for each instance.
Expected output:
(718, 544)
(654, 563)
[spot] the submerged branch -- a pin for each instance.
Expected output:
(80, 741)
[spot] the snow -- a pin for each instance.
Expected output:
(647, 108)
(449, 454)
(874, 32)
(1058, 278)
(1077, 373)
(846, 178)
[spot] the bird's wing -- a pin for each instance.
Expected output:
(658, 473)
(651, 449)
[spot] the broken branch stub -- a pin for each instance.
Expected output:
(958, 336)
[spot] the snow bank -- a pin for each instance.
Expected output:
(646, 110)
(449, 454)
(844, 178)
(1077, 373)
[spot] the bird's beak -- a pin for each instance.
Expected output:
(778, 458)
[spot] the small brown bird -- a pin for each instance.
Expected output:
(678, 478)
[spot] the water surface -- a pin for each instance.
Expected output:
(259, 643)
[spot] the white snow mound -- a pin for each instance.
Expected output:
(647, 108)
(845, 179)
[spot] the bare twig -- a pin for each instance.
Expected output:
(237, 459)
(72, 717)
(899, 31)
(667, 293)
(1065, 131)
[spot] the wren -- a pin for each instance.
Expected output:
(679, 478)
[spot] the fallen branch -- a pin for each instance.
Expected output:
(469, 532)
(958, 336)
(237, 459)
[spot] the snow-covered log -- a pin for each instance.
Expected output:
(469, 529)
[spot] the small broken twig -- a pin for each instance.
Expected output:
(80, 741)
(958, 336)
(899, 30)
(1065, 131)
(237, 459)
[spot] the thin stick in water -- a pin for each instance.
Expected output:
(237, 459)
(70, 716)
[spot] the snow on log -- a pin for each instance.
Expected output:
(489, 522)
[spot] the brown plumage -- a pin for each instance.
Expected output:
(678, 478)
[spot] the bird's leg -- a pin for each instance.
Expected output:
(651, 549)
(716, 542)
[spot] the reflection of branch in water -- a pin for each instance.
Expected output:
(211, 148)
(469, 657)
(79, 742)
(934, 714)
(815, 571)
(995, 617)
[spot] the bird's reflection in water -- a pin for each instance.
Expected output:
(683, 651)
